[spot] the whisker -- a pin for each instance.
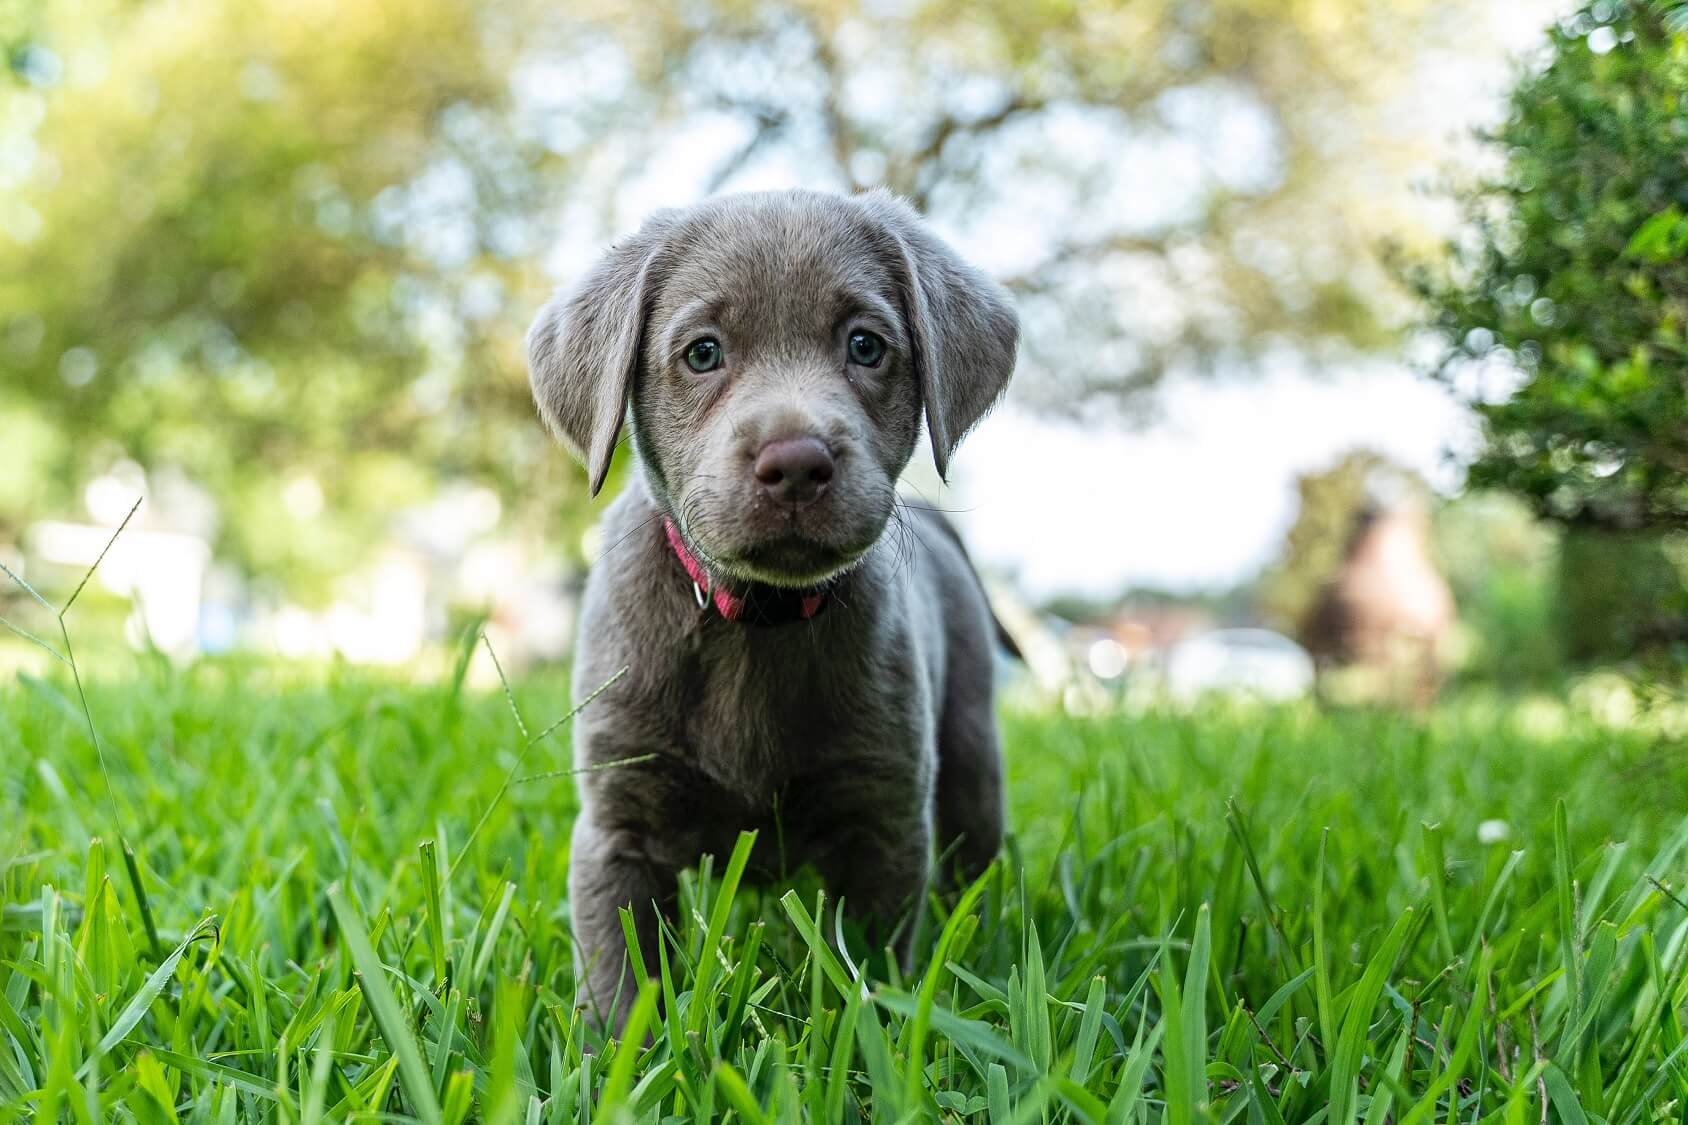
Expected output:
(942, 511)
(929, 505)
(640, 526)
(904, 536)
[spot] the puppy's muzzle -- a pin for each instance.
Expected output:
(794, 472)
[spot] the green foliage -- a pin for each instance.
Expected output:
(1621, 594)
(1501, 564)
(259, 242)
(336, 941)
(1574, 267)
(274, 242)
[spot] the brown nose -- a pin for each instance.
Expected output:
(794, 470)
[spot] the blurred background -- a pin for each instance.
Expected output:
(1354, 329)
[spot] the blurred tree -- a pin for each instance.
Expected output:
(1500, 560)
(1332, 505)
(1169, 186)
(1624, 595)
(289, 247)
(269, 243)
(1574, 268)
(1571, 281)
(1357, 584)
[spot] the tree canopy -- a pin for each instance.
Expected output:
(1571, 276)
(268, 243)
(263, 243)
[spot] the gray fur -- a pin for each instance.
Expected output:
(858, 741)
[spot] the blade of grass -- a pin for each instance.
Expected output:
(1321, 955)
(527, 744)
(819, 951)
(705, 977)
(1435, 860)
(733, 1087)
(915, 1048)
(149, 992)
(1186, 1028)
(1570, 938)
(389, 1017)
(432, 912)
(1356, 1023)
(620, 1080)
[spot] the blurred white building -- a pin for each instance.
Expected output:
(162, 572)
(443, 556)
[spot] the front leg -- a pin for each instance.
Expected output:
(882, 883)
(612, 867)
(641, 823)
(873, 850)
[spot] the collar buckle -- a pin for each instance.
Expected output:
(771, 607)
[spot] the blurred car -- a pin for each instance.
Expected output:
(1255, 662)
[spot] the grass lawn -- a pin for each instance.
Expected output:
(1239, 915)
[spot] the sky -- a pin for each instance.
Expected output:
(1198, 500)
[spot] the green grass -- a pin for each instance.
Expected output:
(1239, 915)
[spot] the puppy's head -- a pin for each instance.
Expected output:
(777, 351)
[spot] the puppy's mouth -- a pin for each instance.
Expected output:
(791, 561)
(795, 549)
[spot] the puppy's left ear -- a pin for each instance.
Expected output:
(962, 326)
(583, 348)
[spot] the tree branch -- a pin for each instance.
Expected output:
(1037, 278)
(949, 126)
(841, 135)
(770, 122)
(921, 170)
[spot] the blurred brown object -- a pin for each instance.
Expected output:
(1387, 612)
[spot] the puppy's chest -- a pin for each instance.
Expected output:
(755, 721)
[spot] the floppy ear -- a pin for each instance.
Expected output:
(962, 325)
(583, 349)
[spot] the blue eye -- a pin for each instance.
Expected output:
(866, 349)
(704, 355)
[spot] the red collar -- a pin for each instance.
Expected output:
(757, 605)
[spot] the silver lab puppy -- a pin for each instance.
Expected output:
(808, 655)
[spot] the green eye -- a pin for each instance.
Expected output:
(866, 349)
(704, 355)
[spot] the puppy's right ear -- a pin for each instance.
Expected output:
(583, 348)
